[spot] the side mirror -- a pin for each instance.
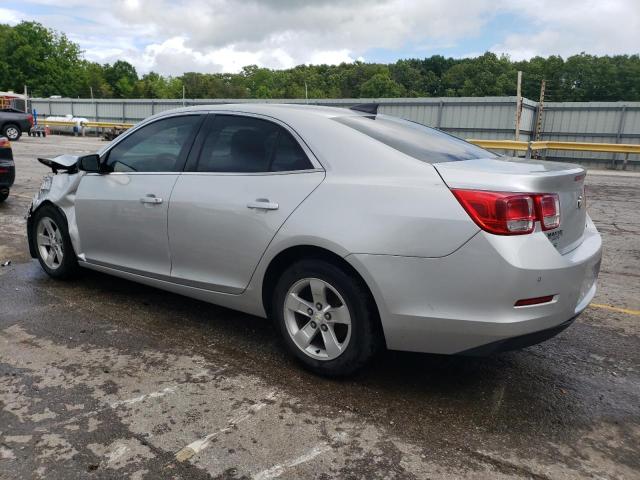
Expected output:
(90, 163)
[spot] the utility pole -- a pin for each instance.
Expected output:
(538, 130)
(26, 98)
(518, 105)
(306, 92)
(183, 94)
(540, 109)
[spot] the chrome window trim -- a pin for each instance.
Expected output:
(226, 174)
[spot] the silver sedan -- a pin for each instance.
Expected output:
(352, 230)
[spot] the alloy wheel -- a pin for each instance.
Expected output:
(317, 319)
(49, 242)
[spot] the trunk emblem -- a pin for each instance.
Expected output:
(579, 202)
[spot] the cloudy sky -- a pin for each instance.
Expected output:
(173, 36)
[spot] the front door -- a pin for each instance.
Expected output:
(249, 177)
(122, 214)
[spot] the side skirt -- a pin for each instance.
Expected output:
(243, 302)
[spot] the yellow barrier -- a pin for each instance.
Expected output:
(108, 125)
(58, 123)
(552, 145)
(501, 144)
(587, 146)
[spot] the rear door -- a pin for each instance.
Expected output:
(122, 214)
(248, 175)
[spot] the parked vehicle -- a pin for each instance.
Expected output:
(352, 230)
(13, 123)
(7, 168)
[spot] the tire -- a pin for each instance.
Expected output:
(4, 196)
(48, 221)
(12, 131)
(358, 341)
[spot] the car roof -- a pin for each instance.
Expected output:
(281, 111)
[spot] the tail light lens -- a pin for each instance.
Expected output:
(4, 142)
(504, 213)
(30, 117)
(548, 211)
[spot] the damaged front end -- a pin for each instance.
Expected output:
(58, 189)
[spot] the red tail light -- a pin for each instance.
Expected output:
(30, 117)
(504, 213)
(4, 170)
(4, 142)
(548, 211)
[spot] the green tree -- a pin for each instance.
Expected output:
(122, 78)
(381, 85)
(50, 64)
(46, 61)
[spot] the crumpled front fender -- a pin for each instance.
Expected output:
(58, 190)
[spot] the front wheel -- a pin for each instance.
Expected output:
(4, 194)
(326, 317)
(53, 244)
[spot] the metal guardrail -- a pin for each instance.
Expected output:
(553, 145)
(58, 123)
(544, 145)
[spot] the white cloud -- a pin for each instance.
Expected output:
(9, 16)
(598, 27)
(173, 36)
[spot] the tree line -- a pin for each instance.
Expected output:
(51, 64)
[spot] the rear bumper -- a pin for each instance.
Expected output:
(464, 302)
(516, 343)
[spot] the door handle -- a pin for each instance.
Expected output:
(151, 198)
(263, 204)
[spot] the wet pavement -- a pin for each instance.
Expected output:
(104, 378)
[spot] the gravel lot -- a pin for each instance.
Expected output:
(103, 378)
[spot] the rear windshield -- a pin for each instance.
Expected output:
(424, 143)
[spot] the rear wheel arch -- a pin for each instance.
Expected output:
(291, 255)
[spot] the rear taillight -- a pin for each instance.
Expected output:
(504, 213)
(4, 142)
(548, 211)
(4, 170)
(30, 117)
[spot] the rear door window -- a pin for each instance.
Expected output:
(238, 144)
(416, 140)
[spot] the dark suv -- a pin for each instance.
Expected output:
(7, 168)
(13, 123)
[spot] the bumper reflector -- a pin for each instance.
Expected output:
(533, 301)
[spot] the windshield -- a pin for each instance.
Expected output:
(421, 142)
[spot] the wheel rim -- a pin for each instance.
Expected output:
(49, 241)
(12, 133)
(317, 319)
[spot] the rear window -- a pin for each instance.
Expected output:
(424, 143)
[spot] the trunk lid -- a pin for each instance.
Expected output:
(506, 174)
